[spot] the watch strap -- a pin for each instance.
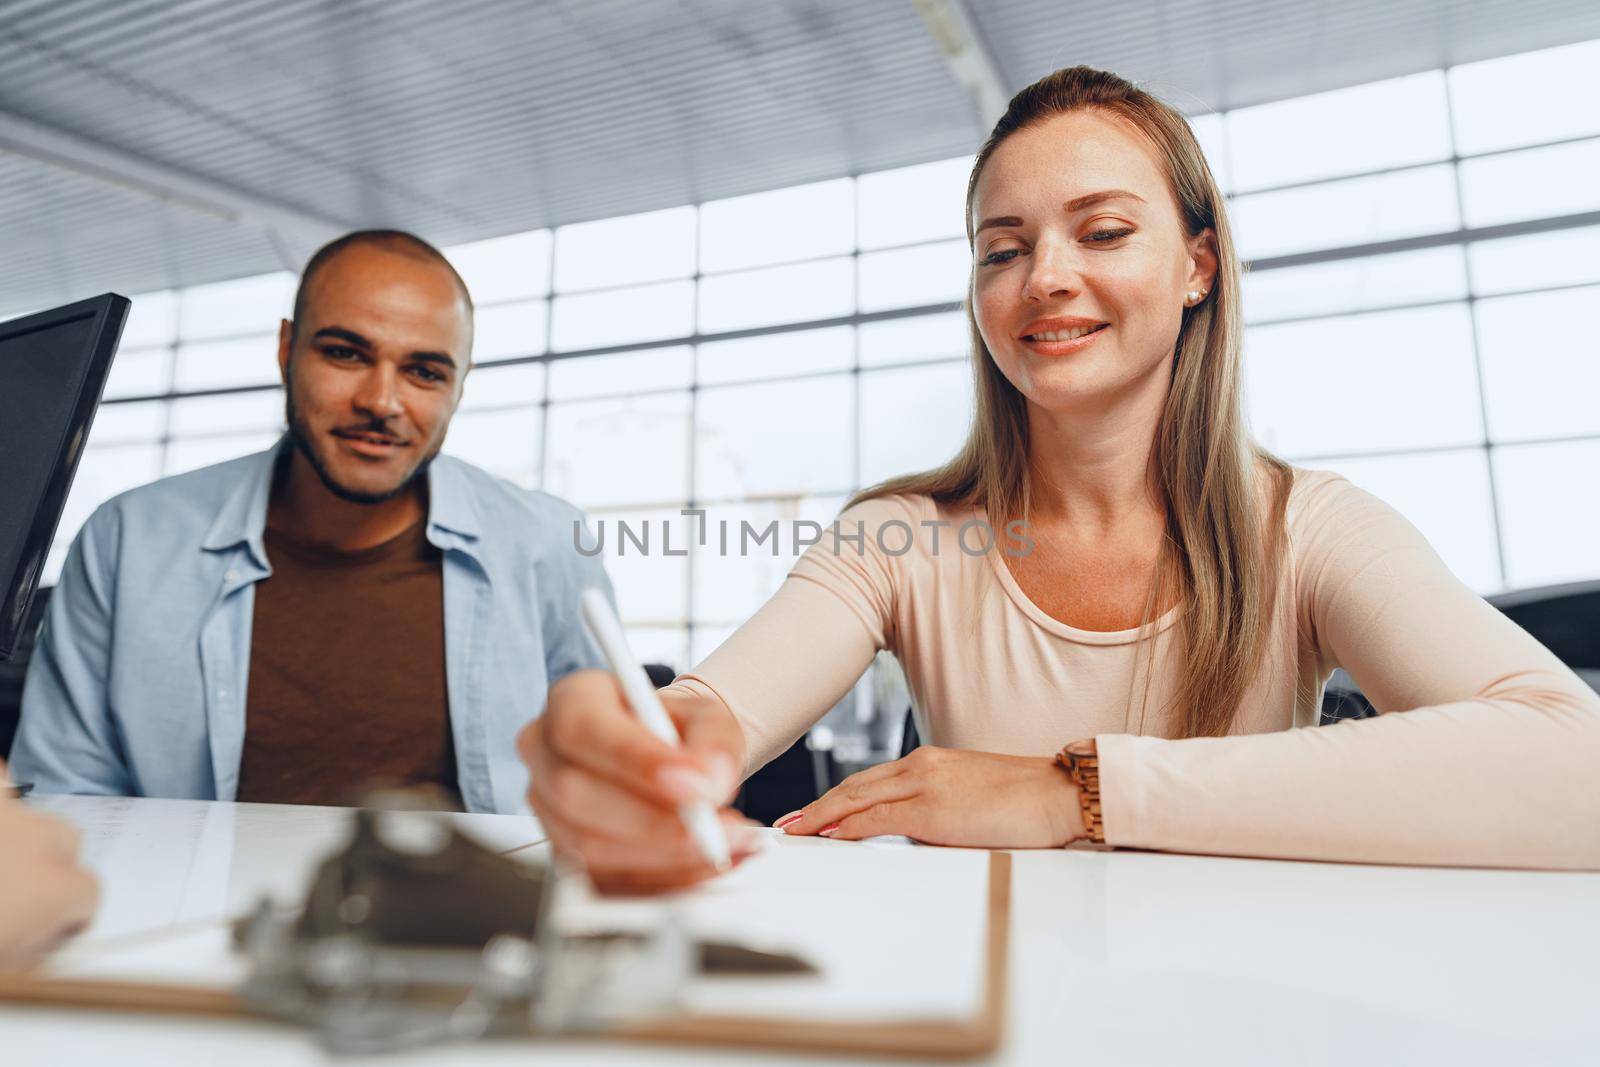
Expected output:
(1081, 761)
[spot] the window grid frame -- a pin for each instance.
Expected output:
(1496, 523)
(1463, 237)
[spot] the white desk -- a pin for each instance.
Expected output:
(1116, 957)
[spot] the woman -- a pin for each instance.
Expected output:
(45, 896)
(1185, 596)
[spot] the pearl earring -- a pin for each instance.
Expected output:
(1195, 295)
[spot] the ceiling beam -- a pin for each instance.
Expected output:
(952, 28)
(293, 231)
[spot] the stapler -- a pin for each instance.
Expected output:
(414, 934)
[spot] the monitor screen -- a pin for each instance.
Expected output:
(53, 366)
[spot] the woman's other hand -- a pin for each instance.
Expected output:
(945, 796)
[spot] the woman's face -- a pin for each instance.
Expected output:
(1082, 265)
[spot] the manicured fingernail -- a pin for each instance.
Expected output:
(787, 819)
(827, 831)
(685, 784)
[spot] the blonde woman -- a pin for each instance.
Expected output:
(1161, 599)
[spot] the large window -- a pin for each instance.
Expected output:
(1426, 258)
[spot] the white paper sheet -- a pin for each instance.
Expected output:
(896, 930)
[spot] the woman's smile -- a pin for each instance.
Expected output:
(1061, 336)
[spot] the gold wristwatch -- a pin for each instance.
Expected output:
(1081, 761)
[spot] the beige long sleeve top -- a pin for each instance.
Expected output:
(1495, 760)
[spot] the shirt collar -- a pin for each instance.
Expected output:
(453, 520)
(243, 514)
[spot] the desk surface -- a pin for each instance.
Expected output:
(1117, 957)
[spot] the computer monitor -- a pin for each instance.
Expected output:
(53, 366)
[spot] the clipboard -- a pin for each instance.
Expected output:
(962, 1038)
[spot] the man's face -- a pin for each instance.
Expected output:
(375, 369)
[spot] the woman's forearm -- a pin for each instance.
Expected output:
(1507, 781)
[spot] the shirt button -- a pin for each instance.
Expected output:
(222, 694)
(231, 575)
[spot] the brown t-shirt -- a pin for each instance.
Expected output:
(347, 672)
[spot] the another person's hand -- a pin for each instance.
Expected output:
(45, 895)
(608, 791)
(947, 796)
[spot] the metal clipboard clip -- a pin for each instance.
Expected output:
(415, 934)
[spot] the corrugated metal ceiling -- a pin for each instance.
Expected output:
(479, 117)
(1214, 55)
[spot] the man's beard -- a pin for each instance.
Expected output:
(300, 435)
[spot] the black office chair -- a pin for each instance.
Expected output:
(660, 674)
(1563, 618)
(14, 670)
(1343, 699)
(786, 784)
(908, 738)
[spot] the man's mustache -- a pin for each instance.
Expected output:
(369, 430)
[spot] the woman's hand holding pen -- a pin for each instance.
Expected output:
(608, 791)
(945, 796)
(45, 896)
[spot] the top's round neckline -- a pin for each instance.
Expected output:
(1053, 625)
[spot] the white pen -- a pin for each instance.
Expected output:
(700, 817)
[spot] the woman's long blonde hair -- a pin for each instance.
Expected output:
(1224, 538)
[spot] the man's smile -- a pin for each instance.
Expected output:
(369, 444)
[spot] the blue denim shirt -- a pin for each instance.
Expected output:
(137, 686)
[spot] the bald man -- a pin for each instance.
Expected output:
(349, 607)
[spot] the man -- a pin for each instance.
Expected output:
(347, 607)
